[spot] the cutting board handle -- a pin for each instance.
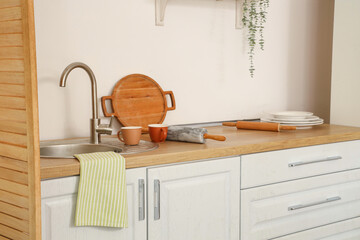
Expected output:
(172, 98)
(103, 100)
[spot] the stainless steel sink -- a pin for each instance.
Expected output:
(68, 147)
(68, 150)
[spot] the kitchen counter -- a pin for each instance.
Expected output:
(238, 142)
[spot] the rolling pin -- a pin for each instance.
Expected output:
(264, 126)
(190, 134)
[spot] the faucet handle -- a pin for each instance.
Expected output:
(105, 128)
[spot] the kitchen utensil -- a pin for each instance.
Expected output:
(158, 132)
(276, 127)
(190, 134)
(137, 100)
(130, 135)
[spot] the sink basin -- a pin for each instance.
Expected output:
(68, 150)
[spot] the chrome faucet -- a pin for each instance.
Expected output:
(96, 129)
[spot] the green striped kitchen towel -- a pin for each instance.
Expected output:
(102, 199)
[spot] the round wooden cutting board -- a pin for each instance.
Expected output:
(137, 100)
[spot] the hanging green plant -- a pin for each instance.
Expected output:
(254, 18)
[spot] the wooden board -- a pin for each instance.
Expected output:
(137, 100)
(238, 142)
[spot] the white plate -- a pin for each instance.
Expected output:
(291, 121)
(292, 114)
(297, 124)
(309, 118)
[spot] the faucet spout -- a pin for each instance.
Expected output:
(65, 74)
(94, 121)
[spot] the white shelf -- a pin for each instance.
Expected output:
(160, 7)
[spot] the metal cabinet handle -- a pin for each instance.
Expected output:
(295, 164)
(156, 199)
(300, 206)
(141, 199)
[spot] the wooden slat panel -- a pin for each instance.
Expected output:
(11, 151)
(10, 40)
(14, 187)
(18, 212)
(13, 164)
(12, 233)
(12, 65)
(4, 238)
(21, 225)
(12, 90)
(33, 149)
(14, 176)
(11, 27)
(12, 13)
(14, 127)
(11, 53)
(12, 77)
(12, 102)
(13, 138)
(9, 3)
(14, 199)
(12, 115)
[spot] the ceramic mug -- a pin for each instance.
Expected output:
(130, 135)
(158, 132)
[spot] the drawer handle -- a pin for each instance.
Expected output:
(300, 206)
(295, 164)
(156, 199)
(141, 199)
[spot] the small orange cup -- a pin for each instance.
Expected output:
(158, 132)
(130, 135)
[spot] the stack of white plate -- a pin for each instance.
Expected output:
(293, 118)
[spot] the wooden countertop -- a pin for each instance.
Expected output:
(238, 142)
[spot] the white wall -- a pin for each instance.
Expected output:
(345, 97)
(198, 54)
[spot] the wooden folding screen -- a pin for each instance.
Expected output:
(19, 138)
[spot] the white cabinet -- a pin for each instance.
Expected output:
(344, 230)
(193, 201)
(308, 193)
(196, 201)
(58, 209)
(280, 209)
(290, 164)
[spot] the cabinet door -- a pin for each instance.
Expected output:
(58, 211)
(195, 201)
(345, 230)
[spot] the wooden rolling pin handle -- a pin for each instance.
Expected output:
(284, 127)
(214, 137)
(229, 124)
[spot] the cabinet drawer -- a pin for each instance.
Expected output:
(276, 210)
(278, 166)
(345, 230)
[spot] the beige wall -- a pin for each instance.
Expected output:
(345, 90)
(198, 54)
